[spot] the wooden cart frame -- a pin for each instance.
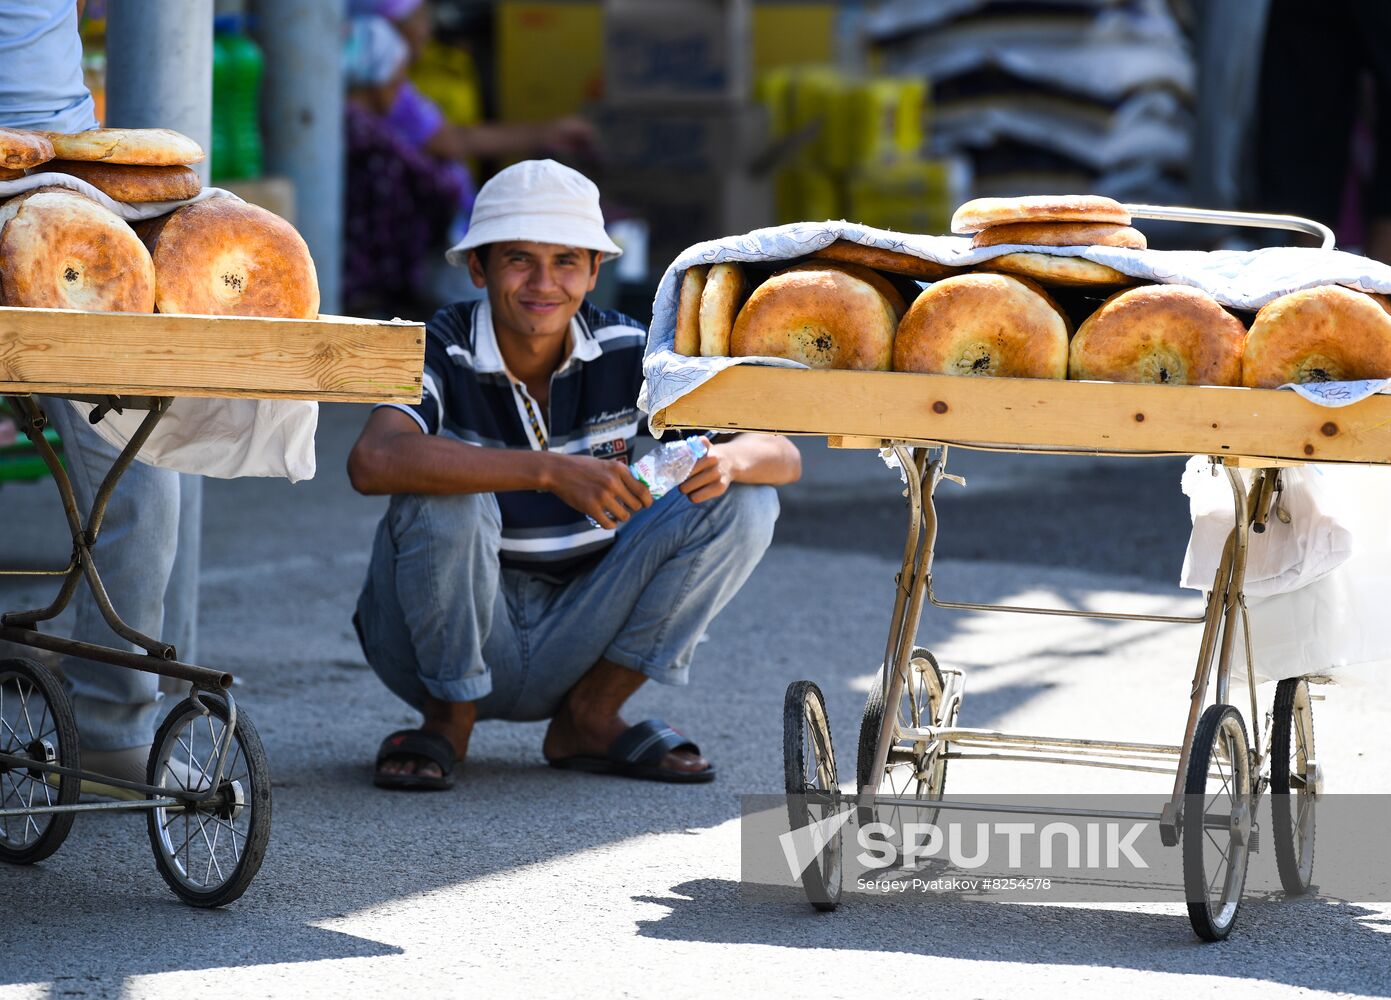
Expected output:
(910, 731)
(207, 788)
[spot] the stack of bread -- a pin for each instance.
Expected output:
(60, 249)
(846, 308)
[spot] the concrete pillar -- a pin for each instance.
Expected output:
(159, 68)
(302, 120)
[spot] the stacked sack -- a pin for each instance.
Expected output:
(60, 249)
(849, 307)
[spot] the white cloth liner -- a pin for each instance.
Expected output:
(222, 438)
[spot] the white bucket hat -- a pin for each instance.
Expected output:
(539, 201)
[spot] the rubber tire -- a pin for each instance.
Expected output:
(820, 893)
(259, 797)
(1196, 784)
(69, 755)
(870, 721)
(1282, 728)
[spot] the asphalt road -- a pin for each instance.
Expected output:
(527, 881)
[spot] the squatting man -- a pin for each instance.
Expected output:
(490, 595)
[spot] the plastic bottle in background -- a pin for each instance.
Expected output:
(237, 64)
(666, 467)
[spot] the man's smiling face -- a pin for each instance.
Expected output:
(534, 288)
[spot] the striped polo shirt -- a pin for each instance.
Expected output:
(469, 395)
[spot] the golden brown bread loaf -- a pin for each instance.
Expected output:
(1074, 272)
(725, 291)
(1324, 334)
(20, 150)
(9, 175)
(881, 284)
(156, 147)
(1061, 234)
(1165, 334)
(982, 213)
(880, 259)
(822, 318)
(223, 257)
(688, 311)
(133, 184)
(61, 250)
(984, 324)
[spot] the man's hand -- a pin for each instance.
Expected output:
(603, 489)
(712, 475)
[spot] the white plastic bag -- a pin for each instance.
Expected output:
(1340, 619)
(1286, 556)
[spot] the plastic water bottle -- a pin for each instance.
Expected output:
(237, 64)
(666, 467)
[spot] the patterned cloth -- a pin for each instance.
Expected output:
(399, 207)
(1239, 279)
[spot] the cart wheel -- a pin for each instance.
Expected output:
(1293, 767)
(1217, 822)
(812, 788)
(914, 770)
(209, 852)
(35, 722)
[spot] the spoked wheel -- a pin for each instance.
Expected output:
(1217, 822)
(915, 769)
(1294, 784)
(209, 851)
(35, 723)
(813, 792)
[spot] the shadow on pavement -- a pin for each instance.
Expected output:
(715, 911)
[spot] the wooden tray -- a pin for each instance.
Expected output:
(332, 358)
(865, 408)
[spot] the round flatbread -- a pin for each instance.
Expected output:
(133, 184)
(893, 261)
(1324, 334)
(1061, 234)
(725, 291)
(822, 318)
(156, 147)
(1074, 272)
(984, 324)
(688, 311)
(1163, 334)
(20, 150)
(10, 175)
(982, 213)
(224, 257)
(61, 250)
(881, 284)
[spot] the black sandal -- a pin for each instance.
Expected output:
(418, 745)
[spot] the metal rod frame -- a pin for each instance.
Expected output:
(160, 657)
(1225, 609)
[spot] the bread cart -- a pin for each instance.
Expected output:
(909, 733)
(207, 792)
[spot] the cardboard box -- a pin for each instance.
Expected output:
(676, 50)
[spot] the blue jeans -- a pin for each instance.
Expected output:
(440, 618)
(148, 554)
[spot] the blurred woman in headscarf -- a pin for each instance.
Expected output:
(400, 200)
(421, 122)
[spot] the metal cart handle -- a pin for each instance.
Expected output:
(1292, 223)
